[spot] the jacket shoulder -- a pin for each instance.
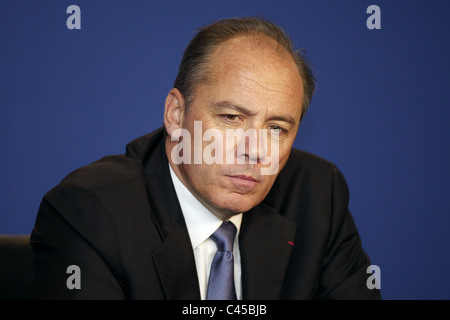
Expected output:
(302, 161)
(117, 169)
(109, 170)
(306, 179)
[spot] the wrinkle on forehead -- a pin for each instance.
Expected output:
(252, 62)
(252, 82)
(255, 75)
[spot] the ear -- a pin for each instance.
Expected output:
(174, 111)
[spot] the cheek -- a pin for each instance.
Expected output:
(285, 150)
(268, 185)
(202, 176)
(284, 155)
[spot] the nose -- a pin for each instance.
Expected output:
(252, 146)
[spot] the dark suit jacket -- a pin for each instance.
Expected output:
(120, 221)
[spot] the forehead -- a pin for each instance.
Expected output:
(256, 69)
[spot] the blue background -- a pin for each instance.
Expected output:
(381, 112)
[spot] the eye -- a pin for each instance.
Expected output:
(231, 117)
(277, 129)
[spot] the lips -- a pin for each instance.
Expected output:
(243, 183)
(244, 177)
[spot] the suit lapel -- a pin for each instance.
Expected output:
(175, 264)
(265, 243)
(174, 259)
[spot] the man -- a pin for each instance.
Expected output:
(197, 209)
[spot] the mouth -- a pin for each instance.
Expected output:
(243, 183)
(244, 177)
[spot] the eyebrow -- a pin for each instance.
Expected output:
(217, 106)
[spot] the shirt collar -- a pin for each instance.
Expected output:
(200, 222)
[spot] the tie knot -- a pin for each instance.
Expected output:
(224, 236)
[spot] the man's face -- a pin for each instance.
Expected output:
(253, 86)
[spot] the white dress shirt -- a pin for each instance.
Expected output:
(201, 224)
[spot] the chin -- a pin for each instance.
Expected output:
(236, 203)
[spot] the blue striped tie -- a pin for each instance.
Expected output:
(221, 277)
